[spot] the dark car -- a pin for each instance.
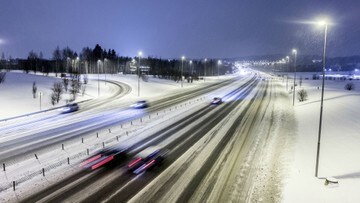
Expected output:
(106, 157)
(147, 159)
(216, 101)
(140, 104)
(70, 108)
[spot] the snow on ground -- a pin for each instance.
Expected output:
(340, 141)
(27, 173)
(17, 99)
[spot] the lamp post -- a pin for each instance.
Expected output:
(287, 76)
(105, 62)
(40, 94)
(218, 65)
(139, 54)
(78, 64)
(205, 69)
(182, 69)
(294, 52)
(191, 69)
(98, 62)
(322, 97)
(67, 64)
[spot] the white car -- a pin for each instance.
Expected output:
(216, 101)
(140, 104)
(71, 107)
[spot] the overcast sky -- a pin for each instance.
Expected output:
(171, 28)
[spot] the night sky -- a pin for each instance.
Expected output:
(170, 28)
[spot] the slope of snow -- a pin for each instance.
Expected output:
(340, 141)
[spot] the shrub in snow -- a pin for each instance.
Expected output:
(302, 95)
(83, 90)
(349, 86)
(66, 84)
(34, 90)
(57, 91)
(2, 77)
(86, 79)
(53, 98)
(74, 88)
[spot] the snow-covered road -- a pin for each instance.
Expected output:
(214, 156)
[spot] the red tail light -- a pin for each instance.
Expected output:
(102, 162)
(134, 162)
(90, 160)
(149, 164)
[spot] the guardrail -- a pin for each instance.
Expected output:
(108, 136)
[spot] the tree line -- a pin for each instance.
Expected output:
(99, 60)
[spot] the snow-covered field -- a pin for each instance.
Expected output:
(17, 99)
(339, 144)
(340, 141)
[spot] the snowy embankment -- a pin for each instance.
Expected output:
(17, 97)
(340, 141)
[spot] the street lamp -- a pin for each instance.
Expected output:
(40, 94)
(182, 69)
(139, 54)
(98, 62)
(294, 52)
(105, 62)
(323, 23)
(190, 62)
(205, 69)
(287, 76)
(78, 64)
(219, 63)
(67, 64)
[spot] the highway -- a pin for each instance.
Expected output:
(231, 126)
(31, 136)
(214, 150)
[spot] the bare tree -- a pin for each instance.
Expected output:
(57, 91)
(86, 79)
(66, 84)
(83, 90)
(2, 77)
(53, 98)
(34, 89)
(74, 88)
(2, 61)
(349, 86)
(302, 95)
(57, 57)
(33, 60)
